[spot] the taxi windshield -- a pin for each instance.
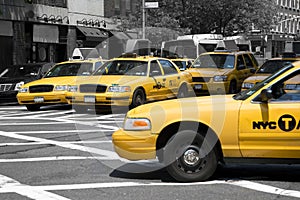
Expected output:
(272, 66)
(247, 93)
(70, 69)
(121, 67)
(214, 61)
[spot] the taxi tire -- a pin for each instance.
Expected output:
(33, 107)
(182, 92)
(138, 98)
(232, 87)
(178, 146)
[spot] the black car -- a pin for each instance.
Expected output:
(13, 77)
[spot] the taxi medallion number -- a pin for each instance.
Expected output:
(89, 99)
(38, 99)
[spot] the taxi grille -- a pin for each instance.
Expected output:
(201, 79)
(41, 88)
(92, 88)
(5, 87)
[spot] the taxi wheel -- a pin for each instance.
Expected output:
(189, 157)
(233, 87)
(182, 92)
(139, 98)
(33, 107)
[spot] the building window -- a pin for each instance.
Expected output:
(56, 3)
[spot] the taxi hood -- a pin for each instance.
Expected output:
(111, 79)
(210, 110)
(256, 78)
(208, 72)
(65, 80)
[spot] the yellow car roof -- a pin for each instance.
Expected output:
(81, 61)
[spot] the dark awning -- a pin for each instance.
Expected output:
(93, 34)
(120, 35)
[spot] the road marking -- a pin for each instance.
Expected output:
(62, 131)
(33, 123)
(106, 153)
(53, 158)
(9, 185)
(44, 143)
(239, 183)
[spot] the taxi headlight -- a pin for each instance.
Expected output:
(220, 78)
(137, 124)
(247, 85)
(61, 88)
(119, 89)
(73, 88)
(24, 90)
(19, 85)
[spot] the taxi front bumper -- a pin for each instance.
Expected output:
(210, 87)
(135, 145)
(42, 98)
(104, 99)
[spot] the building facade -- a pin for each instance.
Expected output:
(272, 44)
(49, 30)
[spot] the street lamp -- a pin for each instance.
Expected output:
(144, 6)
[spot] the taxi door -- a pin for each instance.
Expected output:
(172, 78)
(242, 71)
(158, 81)
(271, 129)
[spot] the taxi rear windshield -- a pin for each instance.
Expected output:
(121, 67)
(214, 61)
(70, 69)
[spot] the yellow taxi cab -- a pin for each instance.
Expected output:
(130, 80)
(51, 89)
(222, 71)
(191, 136)
(269, 67)
(182, 63)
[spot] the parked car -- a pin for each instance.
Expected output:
(14, 77)
(221, 72)
(51, 89)
(130, 80)
(268, 68)
(193, 135)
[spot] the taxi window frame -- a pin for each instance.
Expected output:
(279, 100)
(246, 94)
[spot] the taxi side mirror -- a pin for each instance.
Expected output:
(252, 71)
(266, 95)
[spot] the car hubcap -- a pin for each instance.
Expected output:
(191, 157)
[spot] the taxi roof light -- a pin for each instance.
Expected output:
(128, 55)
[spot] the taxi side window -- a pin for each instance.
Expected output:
(98, 65)
(248, 61)
(168, 67)
(155, 69)
(240, 62)
(286, 89)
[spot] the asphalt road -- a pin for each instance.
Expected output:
(58, 154)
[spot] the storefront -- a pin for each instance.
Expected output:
(6, 41)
